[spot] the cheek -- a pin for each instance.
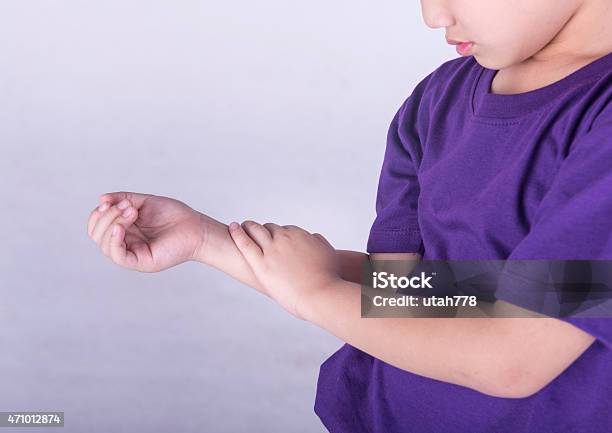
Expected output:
(497, 41)
(507, 45)
(526, 28)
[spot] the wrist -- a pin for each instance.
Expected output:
(199, 251)
(215, 245)
(210, 231)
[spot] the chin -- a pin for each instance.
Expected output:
(492, 63)
(484, 62)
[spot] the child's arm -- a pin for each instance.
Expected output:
(219, 251)
(502, 357)
(161, 232)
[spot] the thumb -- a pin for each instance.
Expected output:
(118, 248)
(136, 199)
(323, 239)
(247, 246)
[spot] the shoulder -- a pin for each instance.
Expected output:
(597, 104)
(602, 113)
(593, 111)
(457, 71)
(456, 68)
(450, 83)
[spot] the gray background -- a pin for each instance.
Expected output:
(270, 110)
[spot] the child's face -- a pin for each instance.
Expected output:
(504, 32)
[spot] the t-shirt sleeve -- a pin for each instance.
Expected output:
(396, 227)
(572, 223)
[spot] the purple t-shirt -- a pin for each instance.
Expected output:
(468, 174)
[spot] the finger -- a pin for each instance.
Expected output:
(290, 226)
(295, 228)
(322, 238)
(135, 198)
(125, 220)
(118, 249)
(247, 246)
(260, 234)
(274, 229)
(107, 217)
(95, 215)
(92, 220)
(112, 198)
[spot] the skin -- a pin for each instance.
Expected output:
(536, 43)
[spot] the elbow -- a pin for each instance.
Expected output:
(514, 380)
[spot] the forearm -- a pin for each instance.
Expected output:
(470, 352)
(499, 355)
(461, 351)
(219, 251)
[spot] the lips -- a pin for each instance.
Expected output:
(463, 47)
(454, 42)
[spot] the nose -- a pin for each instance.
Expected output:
(435, 14)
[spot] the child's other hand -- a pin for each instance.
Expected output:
(157, 232)
(291, 263)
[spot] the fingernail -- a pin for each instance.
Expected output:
(123, 204)
(128, 212)
(103, 207)
(115, 230)
(233, 225)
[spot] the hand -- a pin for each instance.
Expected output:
(291, 263)
(156, 233)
